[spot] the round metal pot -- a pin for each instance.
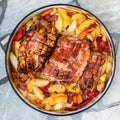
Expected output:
(8, 51)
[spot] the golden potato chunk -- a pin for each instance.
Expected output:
(56, 88)
(38, 93)
(13, 60)
(96, 32)
(59, 23)
(39, 82)
(75, 88)
(58, 98)
(86, 24)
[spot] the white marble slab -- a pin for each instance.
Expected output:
(106, 10)
(12, 108)
(2, 66)
(17, 9)
(108, 114)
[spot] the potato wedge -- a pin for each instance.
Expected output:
(58, 106)
(48, 107)
(96, 32)
(109, 67)
(65, 25)
(103, 77)
(47, 100)
(61, 11)
(38, 93)
(72, 27)
(101, 82)
(66, 18)
(59, 23)
(34, 18)
(24, 93)
(104, 67)
(79, 21)
(73, 88)
(78, 16)
(28, 24)
(39, 82)
(31, 96)
(100, 86)
(29, 87)
(56, 88)
(85, 25)
(58, 98)
(13, 60)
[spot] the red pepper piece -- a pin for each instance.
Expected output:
(76, 107)
(50, 18)
(20, 33)
(103, 45)
(93, 94)
(45, 90)
(70, 98)
(84, 103)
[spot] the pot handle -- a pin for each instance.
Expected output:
(3, 80)
(75, 2)
(3, 44)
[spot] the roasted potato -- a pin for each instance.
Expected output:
(13, 60)
(56, 88)
(85, 25)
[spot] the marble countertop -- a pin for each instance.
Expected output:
(11, 107)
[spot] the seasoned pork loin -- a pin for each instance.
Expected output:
(68, 60)
(91, 75)
(36, 46)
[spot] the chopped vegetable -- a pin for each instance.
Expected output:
(84, 33)
(23, 92)
(58, 106)
(46, 12)
(93, 94)
(86, 24)
(51, 18)
(38, 93)
(56, 88)
(96, 32)
(74, 87)
(78, 16)
(72, 27)
(29, 87)
(101, 82)
(13, 60)
(100, 86)
(29, 24)
(77, 99)
(103, 77)
(39, 82)
(20, 33)
(103, 45)
(58, 98)
(59, 23)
